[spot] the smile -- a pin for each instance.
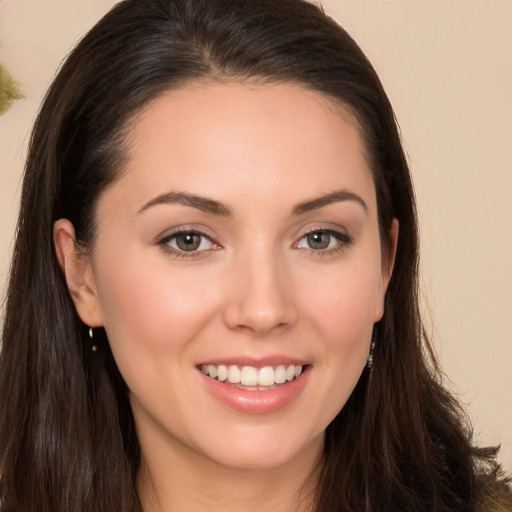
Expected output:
(252, 378)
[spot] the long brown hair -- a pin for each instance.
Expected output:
(67, 436)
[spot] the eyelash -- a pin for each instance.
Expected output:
(344, 241)
(164, 243)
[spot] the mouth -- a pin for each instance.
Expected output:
(251, 378)
(255, 387)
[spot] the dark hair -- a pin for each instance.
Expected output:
(67, 435)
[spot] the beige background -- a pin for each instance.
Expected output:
(447, 66)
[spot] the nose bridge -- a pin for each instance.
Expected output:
(260, 300)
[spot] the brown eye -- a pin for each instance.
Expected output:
(318, 240)
(188, 241)
(324, 241)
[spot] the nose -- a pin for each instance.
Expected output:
(260, 296)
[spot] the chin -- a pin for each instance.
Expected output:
(253, 451)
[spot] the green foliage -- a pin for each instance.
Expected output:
(9, 90)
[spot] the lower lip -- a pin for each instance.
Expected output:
(256, 402)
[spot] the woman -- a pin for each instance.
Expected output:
(213, 298)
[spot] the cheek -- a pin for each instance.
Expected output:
(342, 315)
(150, 310)
(344, 307)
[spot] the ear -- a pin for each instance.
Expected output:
(78, 272)
(387, 269)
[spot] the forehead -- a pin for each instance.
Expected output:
(222, 139)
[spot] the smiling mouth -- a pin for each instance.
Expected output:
(251, 378)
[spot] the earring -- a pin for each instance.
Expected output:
(369, 362)
(94, 347)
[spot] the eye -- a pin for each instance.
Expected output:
(323, 240)
(188, 242)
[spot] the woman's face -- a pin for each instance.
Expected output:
(241, 240)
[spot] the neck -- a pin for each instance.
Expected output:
(181, 479)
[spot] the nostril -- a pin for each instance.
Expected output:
(260, 329)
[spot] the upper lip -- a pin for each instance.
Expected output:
(257, 362)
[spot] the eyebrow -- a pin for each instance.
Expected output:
(182, 198)
(325, 200)
(214, 207)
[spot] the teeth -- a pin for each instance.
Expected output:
(222, 372)
(249, 376)
(262, 379)
(280, 375)
(266, 376)
(212, 370)
(234, 374)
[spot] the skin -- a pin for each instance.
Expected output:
(255, 287)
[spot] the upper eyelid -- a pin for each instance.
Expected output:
(344, 241)
(325, 229)
(168, 235)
